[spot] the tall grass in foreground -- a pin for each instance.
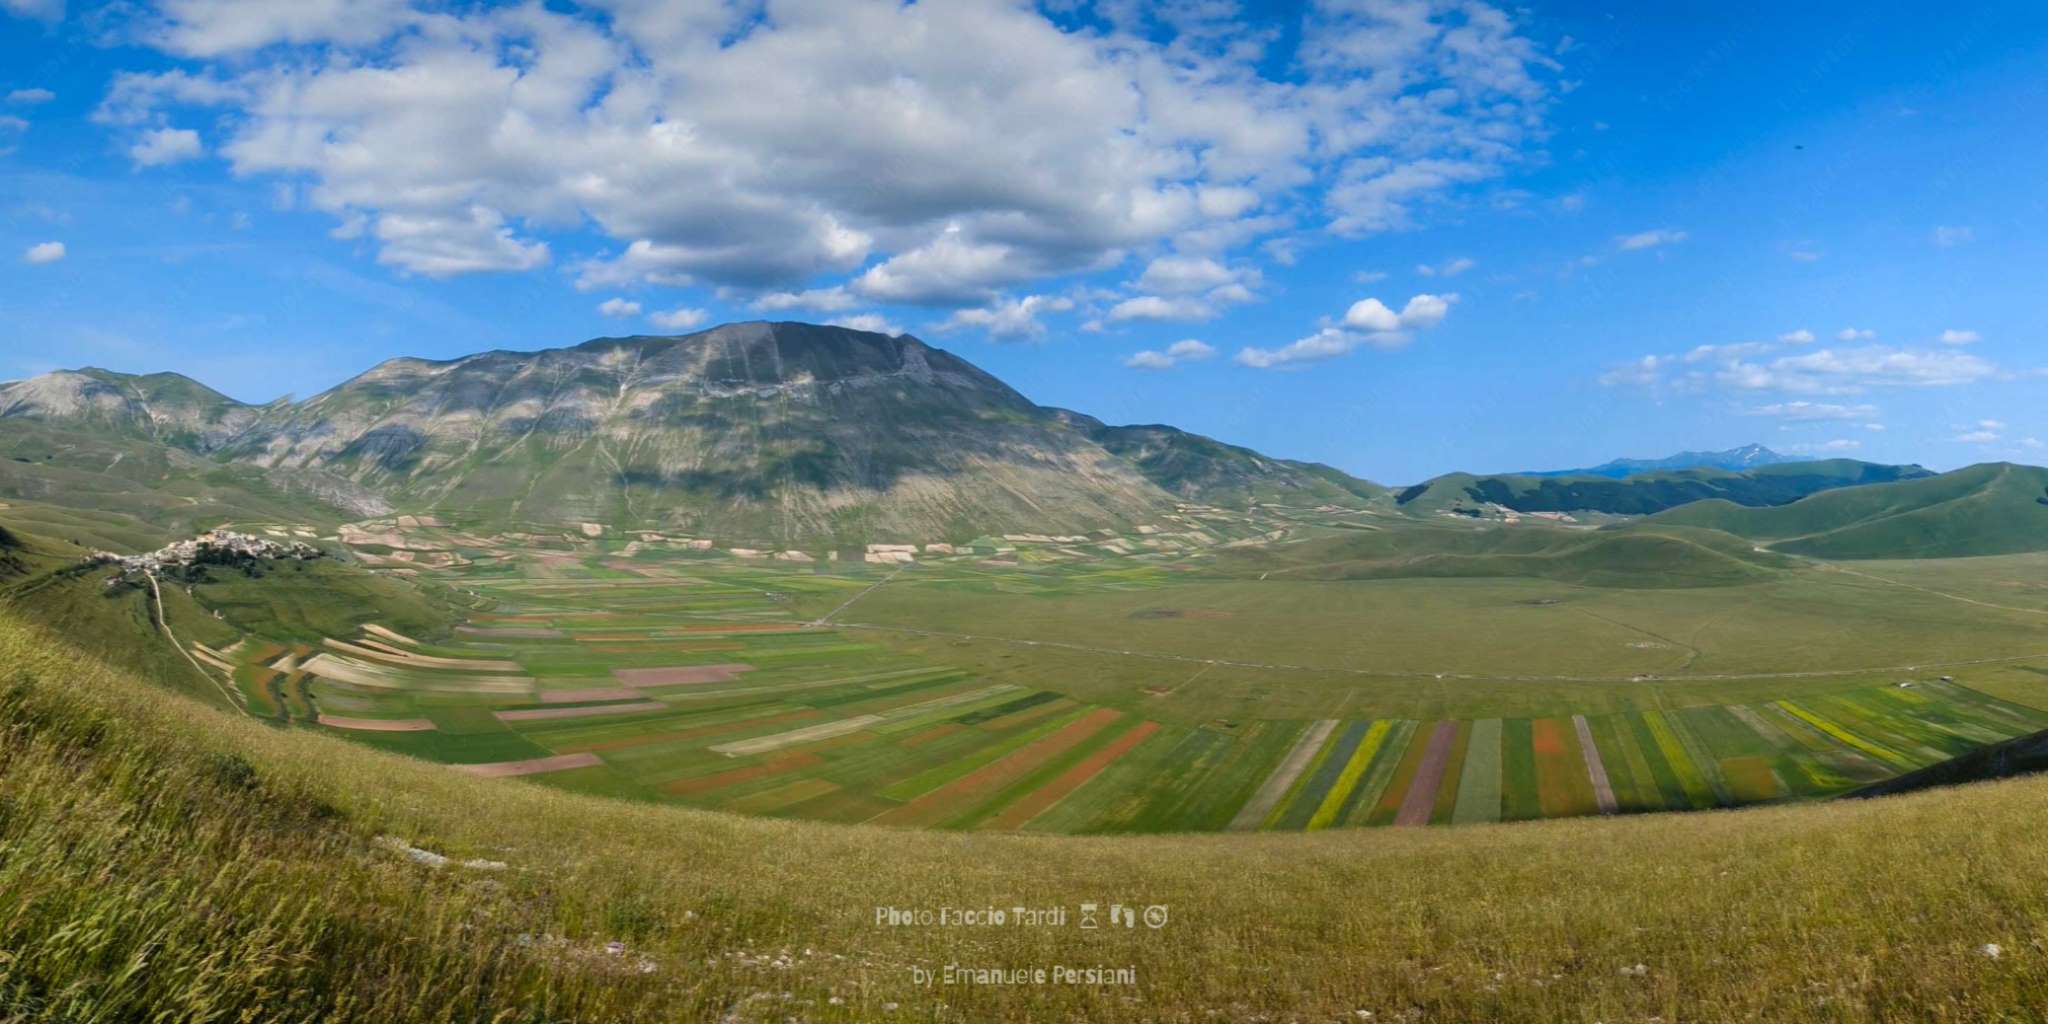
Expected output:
(162, 861)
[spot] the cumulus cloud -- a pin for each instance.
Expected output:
(30, 96)
(1855, 334)
(946, 153)
(618, 307)
(874, 322)
(1185, 350)
(165, 146)
(679, 319)
(1009, 318)
(1649, 239)
(1181, 275)
(1956, 337)
(1801, 336)
(44, 252)
(439, 246)
(1369, 322)
(1328, 343)
(1160, 307)
(820, 299)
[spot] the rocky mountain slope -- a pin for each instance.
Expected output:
(782, 433)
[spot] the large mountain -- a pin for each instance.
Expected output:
(165, 407)
(773, 432)
(1647, 493)
(1735, 460)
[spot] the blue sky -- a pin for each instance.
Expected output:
(1406, 237)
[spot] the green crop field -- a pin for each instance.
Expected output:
(1118, 695)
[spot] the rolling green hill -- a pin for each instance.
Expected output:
(1986, 509)
(1646, 493)
(1632, 556)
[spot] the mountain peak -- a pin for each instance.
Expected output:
(1738, 459)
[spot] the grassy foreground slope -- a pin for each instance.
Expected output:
(1988, 509)
(160, 860)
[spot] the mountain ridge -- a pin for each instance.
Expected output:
(1738, 459)
(781, 432)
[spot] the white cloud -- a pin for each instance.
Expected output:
(1448, 268)
(1855, 334)
(165, 146)
(679, 319)
(1425, 310)
(1824, 447)
(1956, 337)
(41, 10)
(1801, 336)
(1180, 275)
(31, 96)
(1649, 239)
(1328, 343)
(873, 322)
(954, 150)
(1647, 373)
(1948, 236)
(824, 300)
(1009, 318)
(1803, 411)
(213, 28)
(618, 307)
(1369, 276)
(1371, 314)
(44, 252)
(1185, 350)
(438, 246)
(1159, 307)
(1981, 435)
(1750, 367)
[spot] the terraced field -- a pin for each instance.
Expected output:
(713, 683)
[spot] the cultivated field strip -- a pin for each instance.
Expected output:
(707, 688)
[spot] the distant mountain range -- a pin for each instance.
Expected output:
(785, 433)
(1747, 457)
(1648, 492)
(798, 435)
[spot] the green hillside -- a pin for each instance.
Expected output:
(172, 488)
(170, 862)
(1646, 493)
(1631, 556)
(1986, 509)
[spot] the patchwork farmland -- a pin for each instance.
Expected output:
(717, 684)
